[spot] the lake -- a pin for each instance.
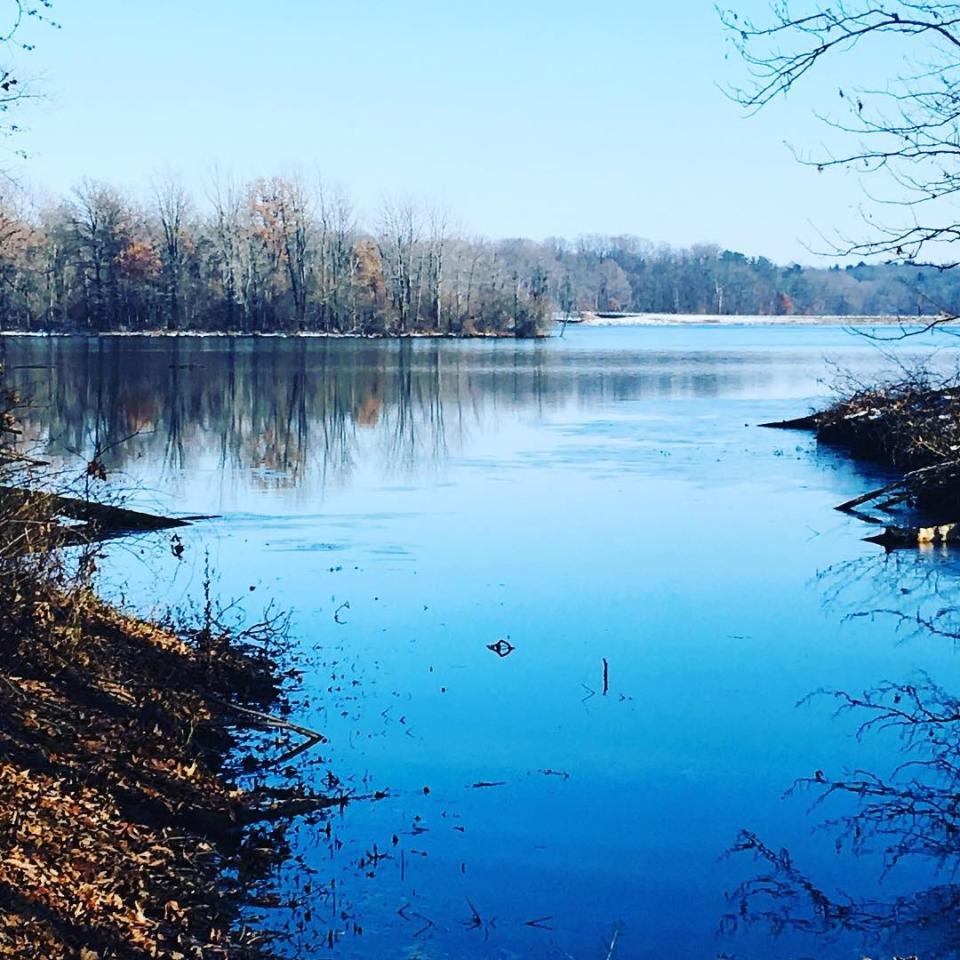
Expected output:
(559, 601)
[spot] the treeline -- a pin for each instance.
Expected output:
(276, 255)
(271, 255)
(628, 274)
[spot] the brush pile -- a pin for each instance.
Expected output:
(910, 425)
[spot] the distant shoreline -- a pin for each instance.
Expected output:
(730, 320)
(584, 320)
(267, 335)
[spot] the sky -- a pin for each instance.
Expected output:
(521, 117)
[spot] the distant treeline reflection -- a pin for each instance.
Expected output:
(288, 406)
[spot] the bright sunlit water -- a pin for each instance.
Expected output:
(607, 498)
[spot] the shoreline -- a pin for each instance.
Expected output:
(587, 320)
(129, 832)
(131, 759)
(748, 320)
(270, 335)
(138, 817)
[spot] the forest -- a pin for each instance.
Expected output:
(281, 255)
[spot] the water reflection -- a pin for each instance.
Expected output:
(298, 411)
(895, 825)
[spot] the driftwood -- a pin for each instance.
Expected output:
(268, 719)
(32, 520)
(16, 500)
(614, 940)
(938, 534)
(937, 474)
(849, 506)
(811, 422)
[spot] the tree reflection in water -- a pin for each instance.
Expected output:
(280, 409)
(309, 412)
(905, 822)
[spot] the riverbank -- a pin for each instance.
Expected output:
(125, 832)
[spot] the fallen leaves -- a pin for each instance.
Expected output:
(113, 803)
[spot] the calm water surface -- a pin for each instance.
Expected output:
(602, 499)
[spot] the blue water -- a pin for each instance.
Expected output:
(604, 498)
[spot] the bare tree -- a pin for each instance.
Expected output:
(438, 221)
(274, 255)
(14, 88)
(227, 234)
(173, 206)
(400, 228)
(284, 211)
(100, 224)
(336, 261)
(905, 125)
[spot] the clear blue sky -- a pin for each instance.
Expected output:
(525, 117)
